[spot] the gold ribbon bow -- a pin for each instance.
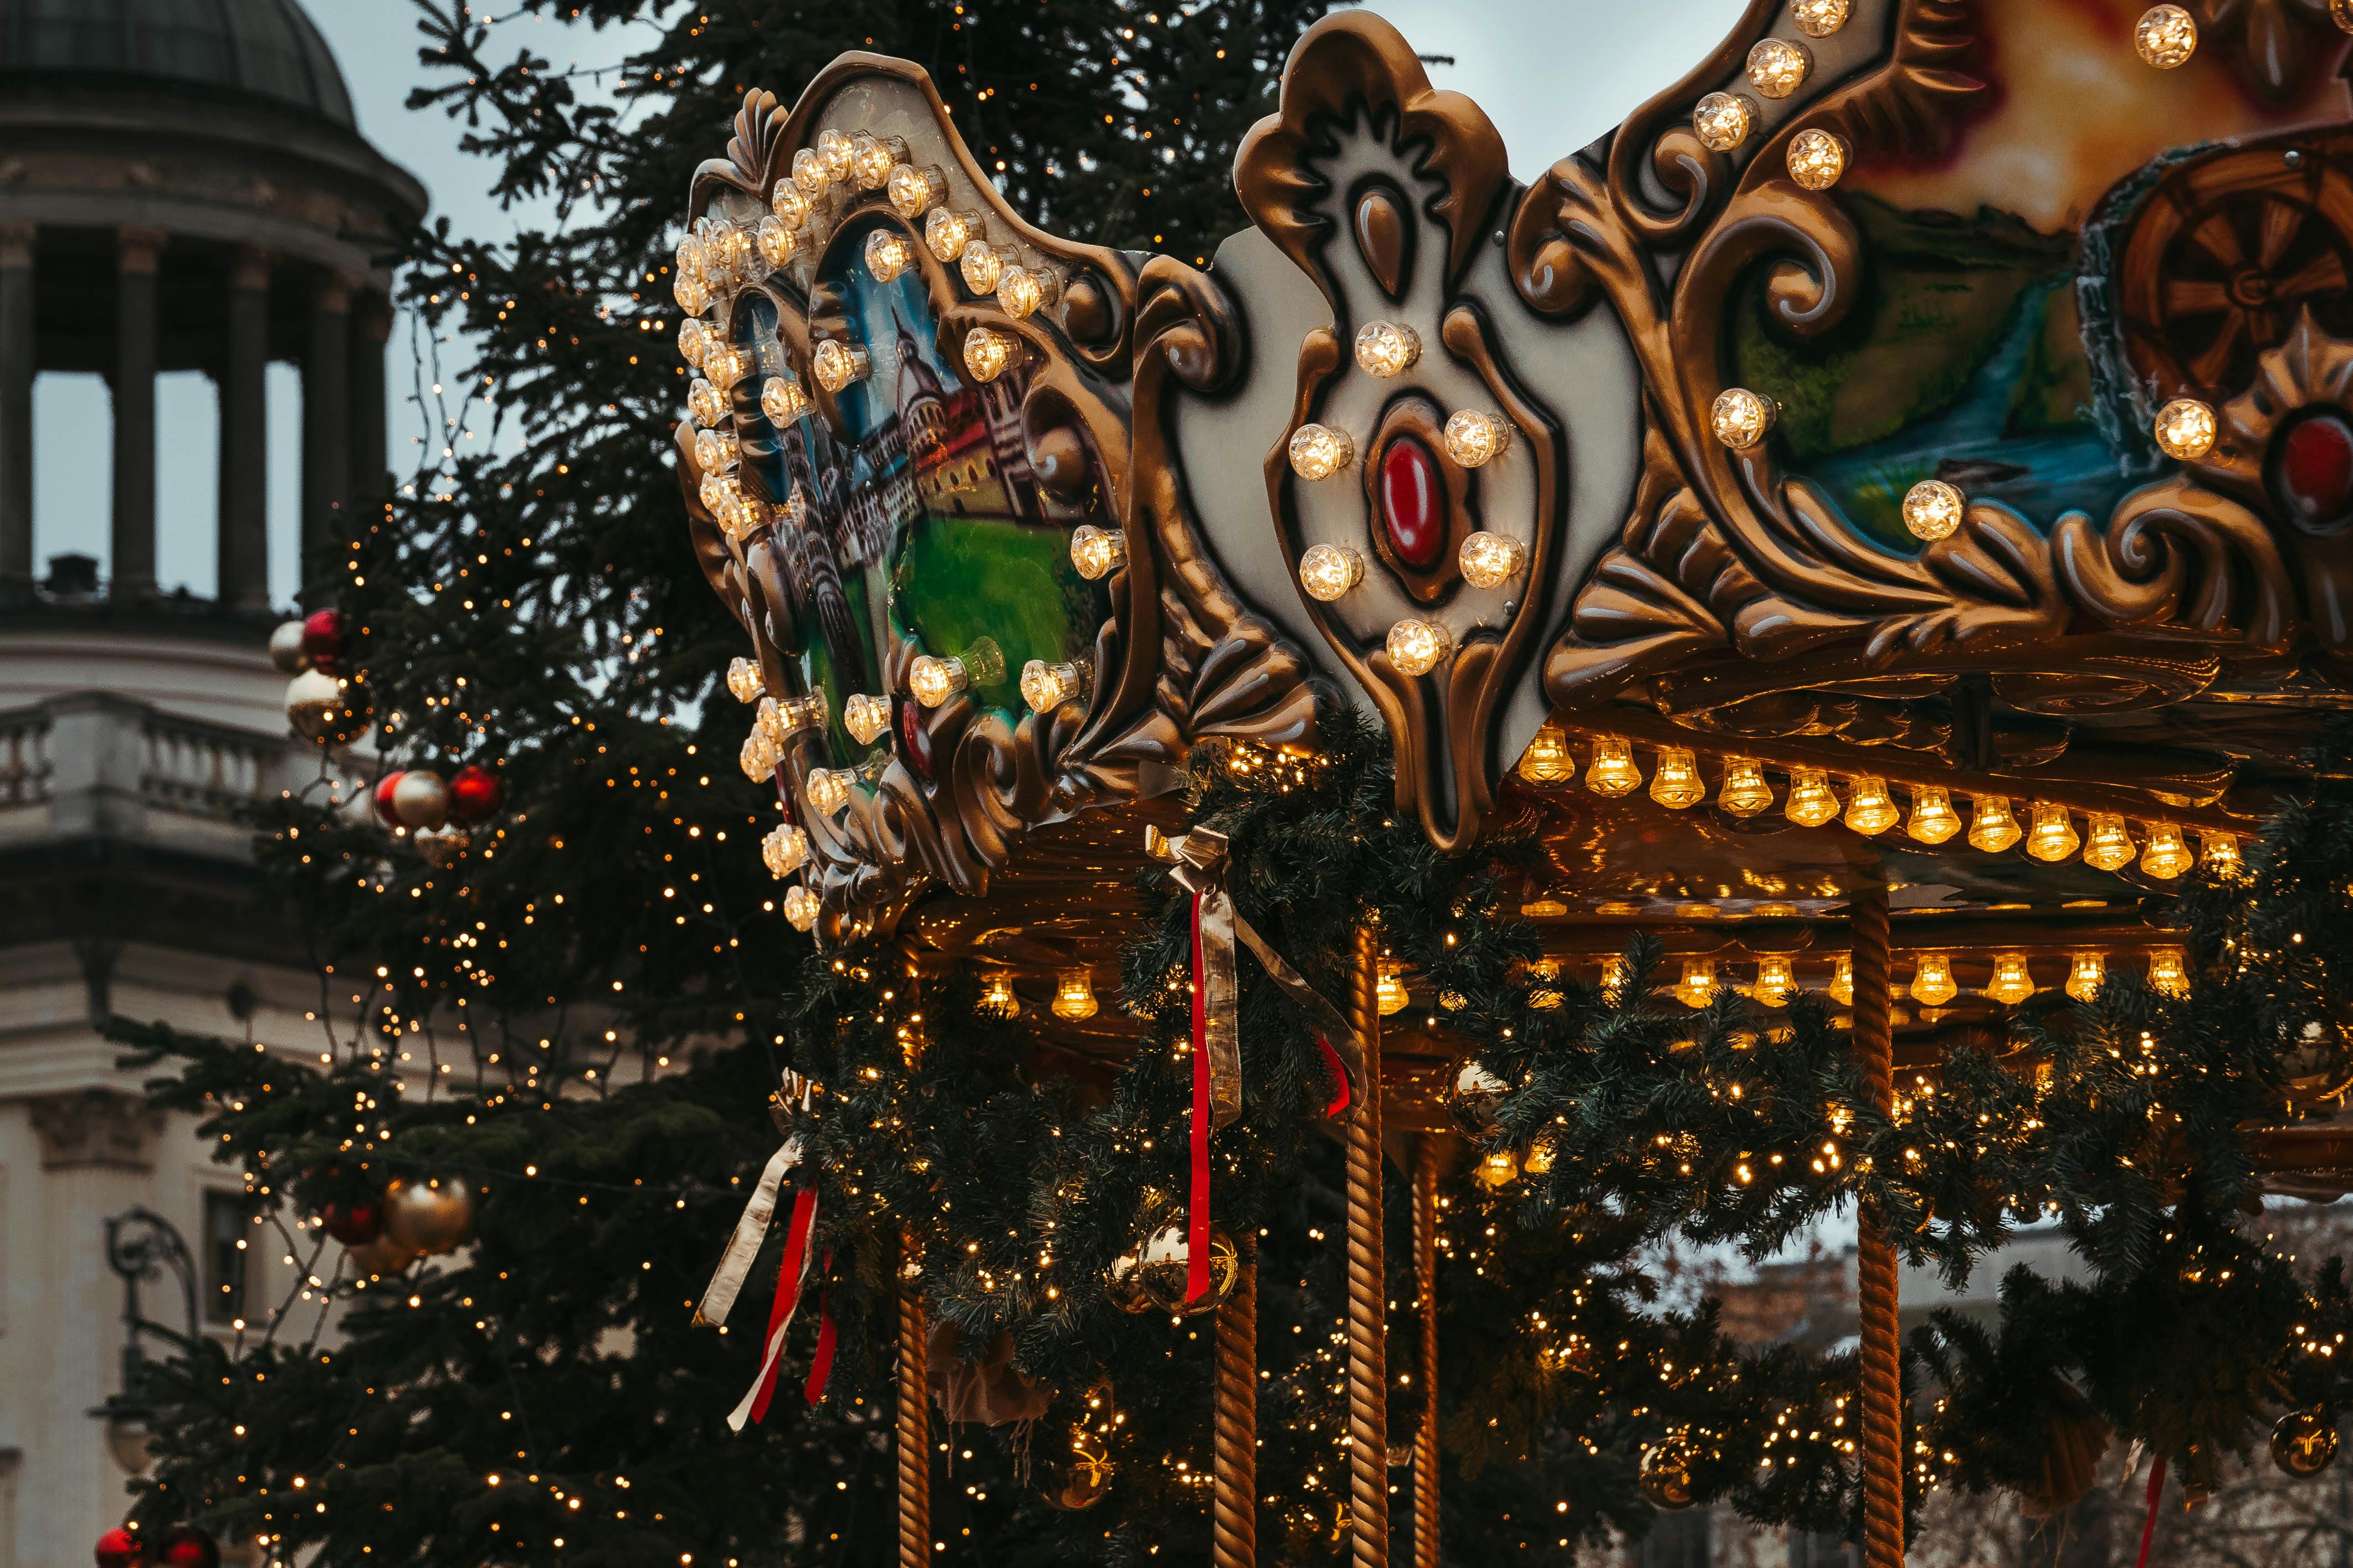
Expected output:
(1196, 861)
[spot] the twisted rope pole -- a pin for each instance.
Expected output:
(914, 1435)
(1875, 1263)
(1425, 1289)
(1233, 1497)
(1368, 1425)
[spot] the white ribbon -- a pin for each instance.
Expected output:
(742, 1411)
(750, 1230)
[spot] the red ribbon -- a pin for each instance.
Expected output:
(821, 1368)
(1196, 1218)
(1336, 1072)
(2156, 1491)
(788, 1290)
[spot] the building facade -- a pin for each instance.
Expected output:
(182, 186)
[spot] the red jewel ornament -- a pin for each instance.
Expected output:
(2313, 474)
(917, 739)
(353, 1224)
(473, 793)
(187, 1547)
(322, 638)
(117, 1548)
(384, 787)
(1412, 508)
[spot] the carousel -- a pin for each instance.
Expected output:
(1878, 519)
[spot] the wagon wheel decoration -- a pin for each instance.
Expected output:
(2225, 255)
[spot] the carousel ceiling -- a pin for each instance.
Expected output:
(1913, 447)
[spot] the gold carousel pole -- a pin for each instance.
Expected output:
(1369, 1426)
(1883, 1407)
(1425, 1289)
(1233, 1498)
(915, 1436)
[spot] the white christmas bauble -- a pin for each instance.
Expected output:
(421, 799)
(286, 648)
(312, 700)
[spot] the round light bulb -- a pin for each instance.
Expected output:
(1021, 291)
(1548, 758)
(986, 353)
(866, 716)
(996, 995)
(1744, 792)
(2185, 429)
(982, 266)
(1318, 451)
(809, 177)
(693, 337)
(887, 254)
(1776, 67)
(912, 190)
(703, 404)
(1491, 559)
(1811, 801)
(2089, 973)
(1841, 987)
(784, 850)
(1074, 995)
(837, 364)
(1934, 820)
(1474, 437)
(2110, 845)
(1741, 418)
(932, 681)
(744, 682)
(2169, 972)
(1697, 986)
(2221, 854)
(790, 206)
(724, 366)
(1932, 511)
(1415, 647)
(1613, 771)
(827, 789)
(1722, 121)
(1046, 687)
(782, 400)
(1818, 18)
(1932, 980)
(947, 232)
(2166, 856)
(1328, 570)
(714, 451)
(1816, 158)
(2010, 984)
(1991, 826)
(1097, 553)
(834, 150)
(800, 907)
(692, 296)
(1775, 981)
(690, 256)
(1869, 808)
(776, 241)
(1386, 348)
(871, 159)
(2166, 35)
(2053, 837)
(1675, 782)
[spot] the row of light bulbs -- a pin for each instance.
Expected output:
(1074, 994)
(1869, 809)
(1932, 983)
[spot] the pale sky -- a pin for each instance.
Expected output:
(1552, 74)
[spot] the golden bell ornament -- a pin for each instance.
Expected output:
(2221, 854)
(1842, 980)
(2010, 984)
(1869, 807)
(1497, 1169)
(1775, 981)
(1613, 771)
(996, 995)
(1697, 986)
(1389, 993)
(2053, 835)
(1074, 995)
(2169, 972)
(1811, 801)
(430, 1216)
(1991, 826)
(1744, 792)
(2110, 846)
(1548, 759)
(2084, 980)
(1676, 783)
(2166, 856)
(1932, 980)
(1934, 820)
(1540, 1156)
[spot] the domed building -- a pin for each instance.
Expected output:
(183, 187)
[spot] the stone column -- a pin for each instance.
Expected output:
(244, 568)
(137, 253)
(371, 482)
(16, 369)
(326, 432)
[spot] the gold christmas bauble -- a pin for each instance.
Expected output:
(2303, 1443)
(1089, 1475)
(379, 1257)
(1664, 1478)
(1165, 1261)
(429, 1216)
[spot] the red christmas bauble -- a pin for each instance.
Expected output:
(384, 788)
(322, 636)
(187, 1547)
(473, 793)
(353, 1224)
(117, 1548)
